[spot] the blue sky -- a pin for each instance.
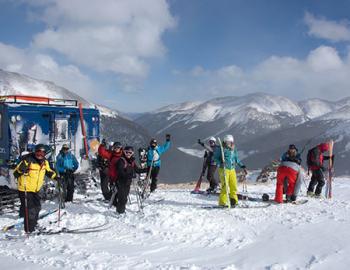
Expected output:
(140, 55)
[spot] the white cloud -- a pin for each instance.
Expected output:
(327, 29)
(113, 35)
(43, 66)
(323, 73)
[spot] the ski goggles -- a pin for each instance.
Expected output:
(128, 152)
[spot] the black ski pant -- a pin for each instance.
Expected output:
(68, 185)
(106, 191)
(154, 178)
(211, 176)
(31, 212)
(317, 178)
(122, 195)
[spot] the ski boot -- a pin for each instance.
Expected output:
(233, 202)
(310, 194)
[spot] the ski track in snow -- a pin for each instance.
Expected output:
(178, 233)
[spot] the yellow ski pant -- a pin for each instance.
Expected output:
(232, 185)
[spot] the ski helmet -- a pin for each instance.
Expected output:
(117, 145)
(292, 146)
(40, 147)
(212, 139)
(153, 142)
(265, 197)
(128, 150)
(40, 151)
(65, 147)
(229, 138)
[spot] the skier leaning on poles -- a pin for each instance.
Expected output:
(227, 167)
(66, 165)
(153, 159)
(31, 172)
(210, 164)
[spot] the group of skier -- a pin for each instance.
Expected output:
(290, 174)
(118, 167)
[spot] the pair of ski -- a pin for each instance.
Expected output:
(141, 190)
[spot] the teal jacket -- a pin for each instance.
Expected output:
(154, 154)
(231, 158)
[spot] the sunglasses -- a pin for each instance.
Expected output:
(129, 152)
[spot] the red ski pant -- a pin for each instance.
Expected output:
(285, 174)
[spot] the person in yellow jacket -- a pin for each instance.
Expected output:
(30, 173)
(227, 167)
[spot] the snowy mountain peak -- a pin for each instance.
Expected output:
(12, 83)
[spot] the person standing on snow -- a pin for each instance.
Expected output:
(210, 164)
(31, 172)
(126, 169)
(116, 153)
(153, 159)
(315, 159)
(289, 175)
(227, 167)
(103, 157)
(66, 165)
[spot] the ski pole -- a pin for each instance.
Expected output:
(26, 205)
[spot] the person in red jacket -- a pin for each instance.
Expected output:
(289, 175)
(104, 155)
(116, 153)
(315, 159)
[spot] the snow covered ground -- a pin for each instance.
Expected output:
(178, 233)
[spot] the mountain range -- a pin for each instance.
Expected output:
(263, 125)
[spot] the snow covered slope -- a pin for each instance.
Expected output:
(178, 233)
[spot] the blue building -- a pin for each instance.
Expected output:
(26, 121)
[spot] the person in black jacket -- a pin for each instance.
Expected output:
(126, 168)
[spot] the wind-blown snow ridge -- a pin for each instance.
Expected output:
(12, 83)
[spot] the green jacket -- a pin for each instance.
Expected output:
(231, 158)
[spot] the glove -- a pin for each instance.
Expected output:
(199, 141)
(23, 168)
(167, 137)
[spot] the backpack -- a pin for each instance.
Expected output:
(313, 157)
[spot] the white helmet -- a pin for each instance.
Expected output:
(212, 139)
(228, 138)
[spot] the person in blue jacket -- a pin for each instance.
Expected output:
(66, 165)
(153, 159)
